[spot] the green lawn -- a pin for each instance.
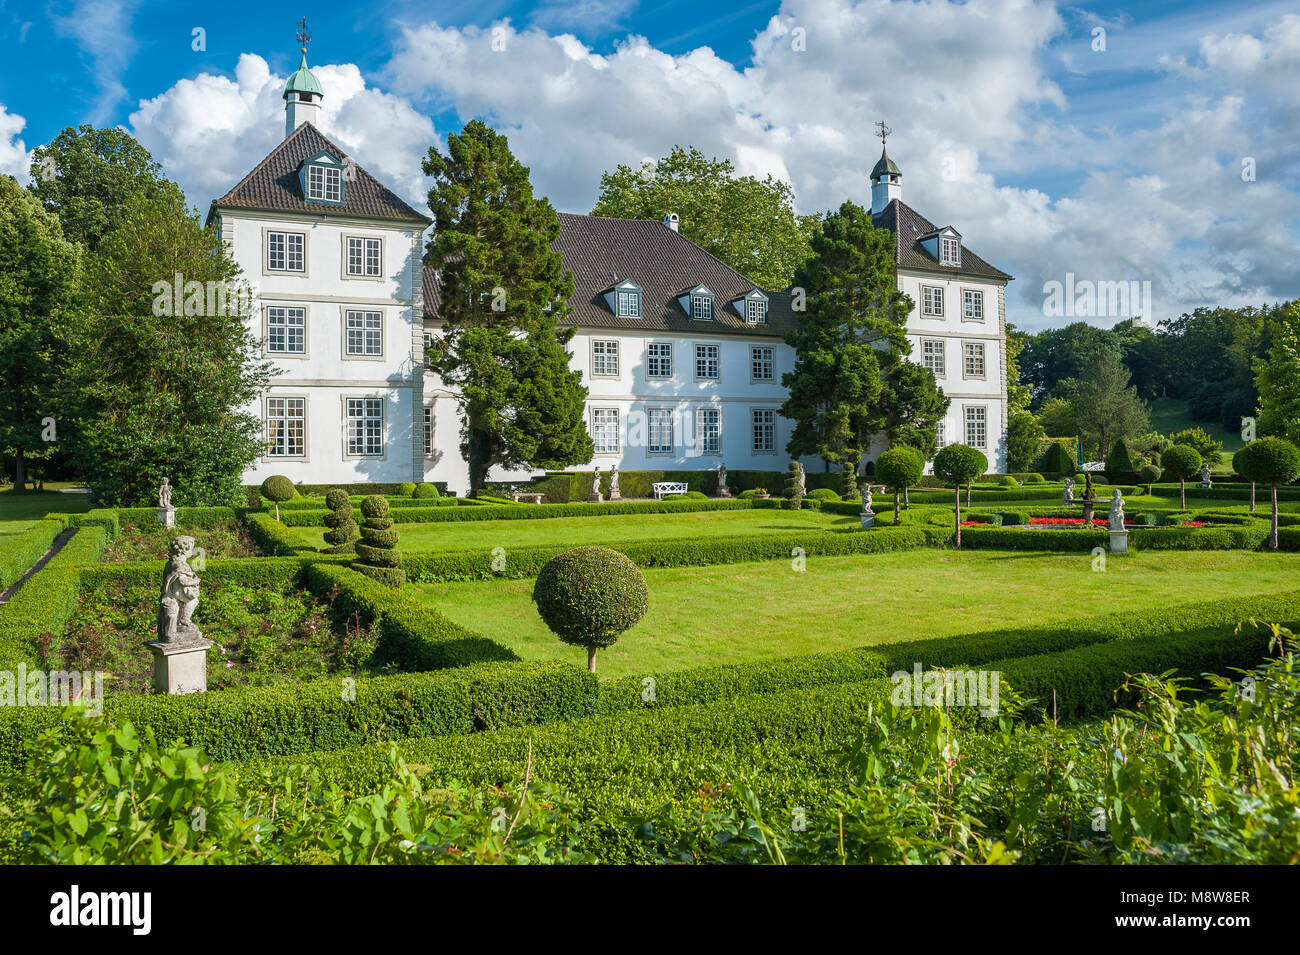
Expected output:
(575, 531)
(738, 612)
(20, 511)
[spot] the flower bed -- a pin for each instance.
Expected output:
(1097, 522)
(149, 540)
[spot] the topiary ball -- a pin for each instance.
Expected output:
(823, 494)
(374, 506)
(336, 499)
(278, 488)
(426, 491)
(589, 595)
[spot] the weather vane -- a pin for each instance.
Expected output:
(303, 36)
(882, 131)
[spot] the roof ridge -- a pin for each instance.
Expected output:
(266, 159)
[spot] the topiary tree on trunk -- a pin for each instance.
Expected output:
(377, 547)
(342, 533)
(958, 463)
(900, 467)
(1149, 473)
(590, 595)
(794, 486)
(278, 489)
(1236, 466)
(1181, 461)
(1270, 461)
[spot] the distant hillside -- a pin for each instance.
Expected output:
(1170, 414)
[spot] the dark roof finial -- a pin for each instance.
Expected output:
(304, 37)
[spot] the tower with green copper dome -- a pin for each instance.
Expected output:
(303, 93)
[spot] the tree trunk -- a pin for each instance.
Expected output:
(895, 507)
(1252, 497)
(591, 659)
(1272, 538)
(1182, 494)
(959, 517)
(907, 504)
(20, 473)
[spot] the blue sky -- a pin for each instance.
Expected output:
(1049, 155)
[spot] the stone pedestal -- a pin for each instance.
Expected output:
(1119, 542)
(167, 516)
(868, 516)
(614, 494)
(180, 666)
(596, 497)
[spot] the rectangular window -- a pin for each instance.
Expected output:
(764, 429)
(976, 427)
(604, 430)
(659, 431)
(950, 251)
(325, 183)
(932, 356)
(286, 427)
(428, 431)
(629, 304)
(756, 311)
(284, 251)
(364, 257)
(760, 359)
(365, 334)
(706, 361)
(942, 435)
(365, 426)
(604, 358)
(702, 306)
(932, 300)
(708, 429)
(286, 330)
(659, 360)
(974, 367)
(972, 305)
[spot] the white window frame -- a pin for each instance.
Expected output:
(941, 433)
(972, 305)
(329, 188)
(928, 356)
(762, 418)
(949, 250)
(277, 408)
(701, 442)
(757, 362)
(976, 417)
(601, 426)
(716, 361)
(287, 329)
(650, 431)
(701, 307)
(604, 357)
(655, 361)
(429, 423)
(358, 430)
(371, 333)
(368, 266)
(756, 311)
(972, 352)
(627, 303)
(932, 301)
(286, 253)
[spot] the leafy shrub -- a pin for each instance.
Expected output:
(590, 595)
(342, 533)
(426, 492)
(695, 496)
(1058, 461)
(278, 489)
(1181, 461)
(823, 494)
(1149, 474)
(1210, 450)
(1034, 478)
(406, 489)
(1008, 481)
(19, 551)
(794, 486)
(377, 549)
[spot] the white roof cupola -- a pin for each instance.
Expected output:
(303, 92)
(886, 177)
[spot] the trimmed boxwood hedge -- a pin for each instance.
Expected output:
(517, 512)
(272, 536)
(19, 551)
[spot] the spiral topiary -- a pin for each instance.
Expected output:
(590, 595)
(342, 533)
(377, 548)
(794, 486)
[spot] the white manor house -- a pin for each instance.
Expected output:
(682, 355)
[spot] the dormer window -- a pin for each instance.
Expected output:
(949, 250)
(322, 179)
(629, 303)
(702, 307)
(756, 311)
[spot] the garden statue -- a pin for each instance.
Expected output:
(596, 497)
(180, 595)
(166, 513)
(614, 493)
(1117, 510)
(803, 481)
(1205, 477)
(1089, 499)
(868, 516)
(1068, 496)
(723, 491)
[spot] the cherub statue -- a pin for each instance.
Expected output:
(1117, 511)
(180, 595)
(1069, 490)
(165, 494)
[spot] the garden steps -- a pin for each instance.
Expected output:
(44, 559)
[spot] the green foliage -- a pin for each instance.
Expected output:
(589, 595)
(1024, 441)
(1210, 450)
(379, 558)
(1181, 462)
(694, 496)
(794, 492)
(1058, 460)
(1149, 474)
(425, 492)
(899, 467)
(278, 488)
(41, 270)
(1271, 461)
(19, 551)
(960, 464)
(1277, 376)
(504, 295)
(823, 494)
(406, 489)
(342, 533)
(1106, 406)
(747, 223)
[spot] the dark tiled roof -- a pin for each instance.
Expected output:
(662, 262)
(274, 186)
(909, 226)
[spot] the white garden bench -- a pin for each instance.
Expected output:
(663, 488)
